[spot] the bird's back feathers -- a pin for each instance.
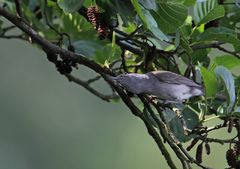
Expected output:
(172, 78)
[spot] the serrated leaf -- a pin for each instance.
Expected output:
(150, 4)
(107, 54)
(198, 56)
(87, 48)
(69, 6)
(148, 21)
(170, 16)
(219, 34)
(186, 28)
(124, 9)
(184, 42)
(210, 82)
(189, 2)
(190, 117)
(176, 125)
(205, 11)
(225, 75)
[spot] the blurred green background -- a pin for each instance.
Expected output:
(48, 123)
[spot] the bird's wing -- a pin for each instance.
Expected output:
(172, 78)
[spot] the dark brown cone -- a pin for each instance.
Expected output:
(231, 158)
(207, 148)
(199, 153)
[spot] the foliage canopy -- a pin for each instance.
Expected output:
(196, 38)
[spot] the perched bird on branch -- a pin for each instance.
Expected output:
(165, 85)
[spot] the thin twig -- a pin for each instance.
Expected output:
(192, 159)
(165, 133)
(215, 140)
(19, 8)
(236, 54)
(13, 37)
(8, 28)
(124, 66)
(175, 145)
(86, 85)
(93, 79)
(135, 110)
(218, 46)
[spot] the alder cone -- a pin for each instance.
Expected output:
(94, 17)
(231, 157)
(103, 31)
(199, 153)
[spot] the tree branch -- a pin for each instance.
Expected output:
(164, 133)
(218, 46)
(12, 37)
(78, 58)
(87, 86)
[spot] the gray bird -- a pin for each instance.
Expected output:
(163, 84)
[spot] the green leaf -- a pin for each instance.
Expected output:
(237, 111)
(227, 61)
(170, 16)
(186, 28)
(184, 42)
(174, 123)
(69, 6)
(200, 56)
(210, 82)
(225, 75)
(188, 116)
(150, 4)
(189, 2)
(219, 34)
(77, 27)
(197, 56)
(124, 9)
(205, 11)
(148, 21)
(87, 48)
(108, 53)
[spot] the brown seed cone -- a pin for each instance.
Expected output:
(207, 148)
(103, 31)
(93, 15)
(199, 153)
(231, 157)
